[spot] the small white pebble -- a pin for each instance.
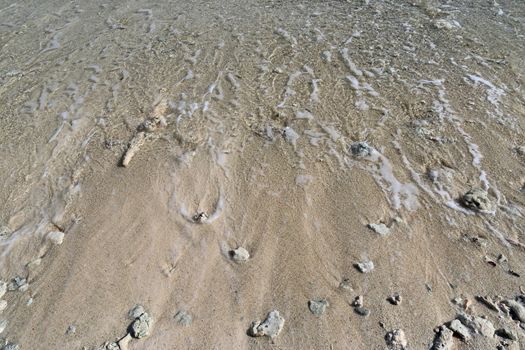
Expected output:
(56, 237)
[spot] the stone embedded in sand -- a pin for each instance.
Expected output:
(136, 311)
(346, 284)
(360, 149)
(520, 150)
(318, 306)
(200, 217)
(460, 330)
(141, 327)
(380, 228)
(396, 339)
(56, 237)
(477, 199)
(112, 346)
(365, 266)
(395, 299)
(358, 301)
(239, 255)
(271, 327)
(517, 309)
(183, 318)
(444, 339)
(71, 329)
(18, 283)
(363, 311)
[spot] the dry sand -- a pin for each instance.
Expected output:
(239, 126)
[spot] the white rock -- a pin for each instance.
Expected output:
(3, 305)
(56, 237)
(381, 229)
(365, 266)
(240, 254)
(3, 325)
(3, 288)
(396, 340)
(271, 327)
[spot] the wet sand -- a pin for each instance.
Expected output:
(144, 143)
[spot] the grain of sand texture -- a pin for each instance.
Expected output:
(173, 171)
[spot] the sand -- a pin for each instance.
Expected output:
(144, 144)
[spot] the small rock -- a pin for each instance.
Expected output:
(3, 305)
(478, 324)
(395, 299)
(345, 284)
(444, 339)
(362, 311)
(365, 266)
(56, 237)
(136, 311)
(3, 325)
(358, 301)
(516, 309)
(71, 329)
(140, 328)
(477, 199)
(460, 329)
(183, 318)
(360, 149)
(381, 229)
(200, 217)
(507, 334)
(318, 306)
(239, 255)
(396, 339)
(520, 150)
(18, 283)
(271, 327)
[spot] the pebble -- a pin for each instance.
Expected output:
(516, 308)
(444, 339)
(396, 339)
(345, 284)
(270, 327)
(3, 325)
(136, 311)
(318, 306)
(183, 318)
(477, 199)
(3, 305)
(360, 149)
(56, 237)
(358, 301)
(141, 327)
(200, 217)
(18, 283)
(381, 229)
(460, 330)
(365, 266)
(395, 299)
(520, 150)
(239, 255)
(71, 329)
(480, 325)
(362, 311)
